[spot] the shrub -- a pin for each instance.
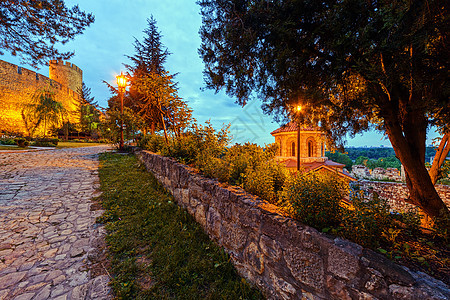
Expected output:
(314, 199)
(365, 223)
(46, 142)
(8, 141)
(22, 142)
(152, 143)
(265, 180)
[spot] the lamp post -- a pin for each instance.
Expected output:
(299, 109)
(121, 83)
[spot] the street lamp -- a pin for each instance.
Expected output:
(299, 109)
(121, 83)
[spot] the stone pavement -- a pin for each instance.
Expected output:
(50, 245)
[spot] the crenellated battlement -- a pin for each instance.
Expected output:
(66, 64)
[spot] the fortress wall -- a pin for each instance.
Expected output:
(18, 85)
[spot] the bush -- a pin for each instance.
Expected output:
(266, 180)
(151, 142)
(314, 199)
(366, 221)
(22, 142)
(8, 141)
(46, 142)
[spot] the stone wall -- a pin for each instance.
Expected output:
(284, 258)
(396, 193)
(17, 88)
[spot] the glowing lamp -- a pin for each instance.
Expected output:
(121, 81)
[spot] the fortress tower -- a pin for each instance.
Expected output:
(67, 74)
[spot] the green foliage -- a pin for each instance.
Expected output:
(46, 142)
(340, 158)
(43, 110)
(152, 142)
(32, 29)
(158, 251)
(383, 162)
(265, 179)
(22, 142)
(111, 127)
(444, 173)
(7, 141)
(314, 199)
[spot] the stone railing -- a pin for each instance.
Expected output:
(282, 257)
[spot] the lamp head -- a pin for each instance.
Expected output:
(121, 80)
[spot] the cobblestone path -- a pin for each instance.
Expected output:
(49, 242)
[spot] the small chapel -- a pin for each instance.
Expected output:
(311, 147)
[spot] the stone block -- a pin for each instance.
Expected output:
(271, 248)
(200, 215)
(343, 259)
(213, 224)
(234, 237)
(306, 267)
(254, 257)
(389, 270)
(337, 288)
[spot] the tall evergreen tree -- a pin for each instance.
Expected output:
(149, 59)
(153, 93)
(89, 110)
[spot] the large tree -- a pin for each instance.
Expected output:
(31, 29)
(353, 64)
(153, 92)
(149, 58)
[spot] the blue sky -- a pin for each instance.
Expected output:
(100, 53)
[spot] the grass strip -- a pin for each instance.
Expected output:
(77, 144)
(157, 250)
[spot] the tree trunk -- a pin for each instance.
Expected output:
(408, 148)
(163, 123)
(439, 158)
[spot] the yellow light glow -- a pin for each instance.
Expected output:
(299, 108)
(121, 80)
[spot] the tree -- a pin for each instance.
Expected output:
(89, 110)
(159, 91)
(354, 65)
(31, 29)
(149, 58)
(340, 158)
(43, 109)
(153, 93)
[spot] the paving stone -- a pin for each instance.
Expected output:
(44, 293)
(26, 296)
(45, 223)
(11, 279)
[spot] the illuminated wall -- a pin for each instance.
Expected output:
(18, 86)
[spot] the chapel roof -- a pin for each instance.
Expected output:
(292, 126)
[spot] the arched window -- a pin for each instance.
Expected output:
(310, 148)
(293, 149)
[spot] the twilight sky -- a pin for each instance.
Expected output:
(100, 53)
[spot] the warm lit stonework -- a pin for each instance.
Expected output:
(312, 150)
(18, 86)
